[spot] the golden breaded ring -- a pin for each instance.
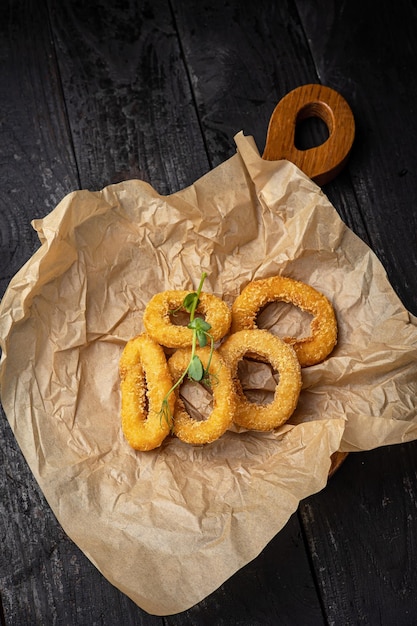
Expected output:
(156, 318)
(310, 350)
(145, 381)
(283, 359)
(194, 431)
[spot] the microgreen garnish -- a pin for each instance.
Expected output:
(195, 369)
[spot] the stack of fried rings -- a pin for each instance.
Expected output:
(147, 376)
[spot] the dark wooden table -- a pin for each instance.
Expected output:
(96, 92)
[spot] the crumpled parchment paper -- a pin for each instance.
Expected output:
(168, 527)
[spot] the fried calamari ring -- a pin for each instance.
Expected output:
(310, 350)
(200, 432)
(159, 326)
(145, 382)
(282, 359)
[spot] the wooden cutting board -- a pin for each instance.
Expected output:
(320, 163)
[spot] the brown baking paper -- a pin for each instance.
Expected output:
(168, 527)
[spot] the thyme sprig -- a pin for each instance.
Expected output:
(195, 369)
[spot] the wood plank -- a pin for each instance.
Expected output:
(127, 94)
(44, 578)
(371, 555)
(231, 51)
(242, 58)
(357, 194)
(37, 163)
(254, 56)
(272, 589)
(370, 57)
(37, 169)
(362, 532)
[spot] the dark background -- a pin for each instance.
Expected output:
(93, 93)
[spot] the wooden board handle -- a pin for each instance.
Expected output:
(321, 163)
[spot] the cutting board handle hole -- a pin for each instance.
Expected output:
(310, 132)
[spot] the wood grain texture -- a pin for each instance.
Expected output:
(242, 59)
(364, 560)
(44, 578)
(374, 62)
(127, 93)
(253, 58)
(37, 163)
(271, 589)
(363, 538)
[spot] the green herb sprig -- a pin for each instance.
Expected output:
(195, 369)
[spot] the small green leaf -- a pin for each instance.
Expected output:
(199, 324)
(196, 369)
(203, 325)
(189, 301)
(201, 338)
